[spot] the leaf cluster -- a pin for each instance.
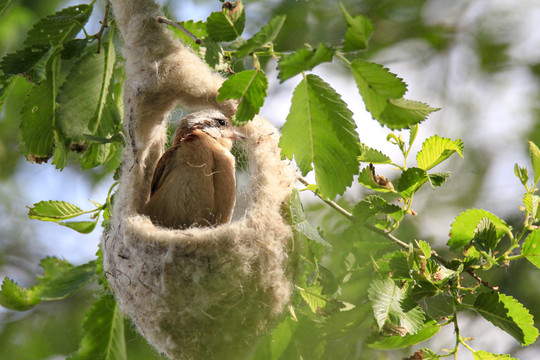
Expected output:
(353, 277)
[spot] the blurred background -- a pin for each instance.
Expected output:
(479, 61)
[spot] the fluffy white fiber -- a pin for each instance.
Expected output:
(200, 293)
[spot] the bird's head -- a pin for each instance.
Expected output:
(211, 122)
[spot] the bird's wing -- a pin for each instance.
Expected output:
(162, 170)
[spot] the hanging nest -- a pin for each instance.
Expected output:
(199, 293)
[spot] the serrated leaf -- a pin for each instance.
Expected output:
(508, 314)
(303, 60)
(300, 222)
(22, 61)
(410, 181)
(385, 297)
(402, 113)
(266, 35)
(81, 96)
(320, 130)
(425, 248)
(428, 354)
(83, 227)
(197, 28)
(213, 54)
(60, 279)
(485, 236)
(228, 24)
(366, 179)
(438, 179)
(373, 156)
(249, 88)
(377, 85)
(359, 30)
(106, 73)
(374, 210)
(312, 296)
(464, 225)
(37, 118)
(14, 297)
(428, 330)
(531, 248)
(60, 27)
(535, 160)
(531, 204)
(54, 211)
(437, 149)
(484, 355)
(103, 336)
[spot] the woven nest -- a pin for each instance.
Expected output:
(204, 293)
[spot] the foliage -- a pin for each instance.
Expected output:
(379, 282)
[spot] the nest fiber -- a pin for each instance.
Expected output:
(199, 293)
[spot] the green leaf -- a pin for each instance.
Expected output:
(320, 130)
(83, 227)
(213, 54)
(438, 179)
(81, 97)
(60, 151)
(485, 237)
(14, 297)
(425, 248)
(463, 228)
(303, 60)
(396, 342)
(54, 211)
(249, 88)
(37, 118)
(266, 35)
(377, 85)
(60, 279)
(359, 30)
(410, 181)
(300, 222)
(531, 204)
(374, 210)
(373, 156)
(312, 296)
(196, 28)
(59, 28)
(484, 355)
(385, 297)
(428, 354)
(103, 336)
(106, 73)
(23, 61)
(535, 160)
(508, 314)
(531, 248)
(228, 24)
(437, 149)
(402, 113)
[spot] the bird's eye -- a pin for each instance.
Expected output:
(221, 122)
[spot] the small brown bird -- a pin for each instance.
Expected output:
(194, 181)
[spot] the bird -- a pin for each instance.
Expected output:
(194, 181)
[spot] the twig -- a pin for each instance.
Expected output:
(391, 237)
(104, 25)
(176, 24)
